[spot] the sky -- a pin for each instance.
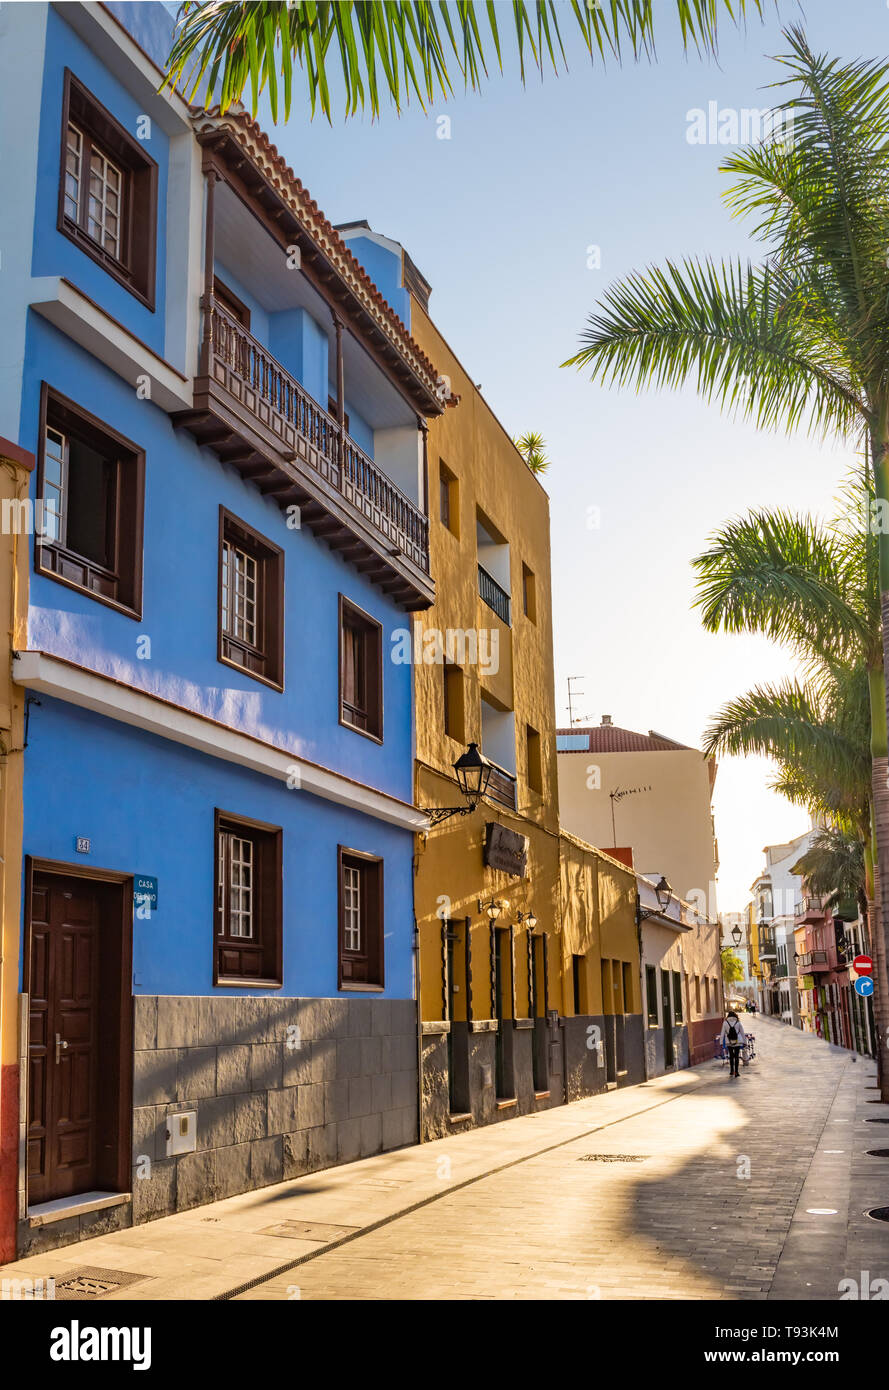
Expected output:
(501, 217)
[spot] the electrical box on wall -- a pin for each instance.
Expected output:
(182, 1132)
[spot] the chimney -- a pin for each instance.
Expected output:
(606, 720)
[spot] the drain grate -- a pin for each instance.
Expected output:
(613, 1158)
(879, 1213)
(91, 1282)
(878, 1153)
(308, 1230)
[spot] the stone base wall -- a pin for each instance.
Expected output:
(585, 1061)
(475, 1060)
(654, 1050)
(281, 1087)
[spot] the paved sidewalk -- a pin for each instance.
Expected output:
(704, 1196)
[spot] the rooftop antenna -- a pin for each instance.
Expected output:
(571, 695)
(618, 795)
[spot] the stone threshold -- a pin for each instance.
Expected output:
(61, 1208)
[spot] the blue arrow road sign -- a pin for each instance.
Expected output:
(864, 986)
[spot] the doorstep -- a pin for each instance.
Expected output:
(79, 1205)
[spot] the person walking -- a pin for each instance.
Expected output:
(734, 1037)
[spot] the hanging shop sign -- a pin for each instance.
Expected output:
(506, 850)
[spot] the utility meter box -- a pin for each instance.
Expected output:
(182, 1132)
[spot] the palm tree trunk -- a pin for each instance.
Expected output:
(879, 724)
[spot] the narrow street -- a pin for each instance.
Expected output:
(690, 1186)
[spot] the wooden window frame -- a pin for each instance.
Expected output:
(454, 703)
(136, 267)
(651, 995)
(350, 615)
(678, 1006)
(370, 960)
(447, 483)
(266, 945)
(529, 594)
(126, 501)
(534, 759)
(268, 653)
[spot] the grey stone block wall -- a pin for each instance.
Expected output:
(281, 1087)
(475, 1053)
(586, 1073)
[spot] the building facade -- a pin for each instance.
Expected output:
(618, 788)
(682, 982)
(528, 951)
(230, 535)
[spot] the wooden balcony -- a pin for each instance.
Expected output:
(810, 909)
(257, 417)
(502, 787)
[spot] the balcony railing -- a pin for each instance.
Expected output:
(812, 960)
(491, 593)
(258, 392)
(502, 787)
(810, 906)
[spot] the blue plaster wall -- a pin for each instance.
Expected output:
(184, 487)
(147, 806)
(384, 268)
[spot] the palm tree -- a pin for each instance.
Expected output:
(803, 338)
(532, 447)
(834, 867)
(815, 589)
(404, 47)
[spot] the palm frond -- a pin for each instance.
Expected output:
(791, 579)
(738, 333)
(407, 48)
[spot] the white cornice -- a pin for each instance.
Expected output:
(77, 686)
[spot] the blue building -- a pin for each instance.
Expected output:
(229, 526)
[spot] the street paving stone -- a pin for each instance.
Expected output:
(716, 1209)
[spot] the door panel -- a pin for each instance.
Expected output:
(66, 920)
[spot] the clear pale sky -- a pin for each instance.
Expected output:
(499, 218)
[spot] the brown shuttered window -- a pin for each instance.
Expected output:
(361, 671)
(361, 960)
(107, 191)
(248, 916)
(251, 601)
(90, 483)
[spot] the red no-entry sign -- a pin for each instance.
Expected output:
(862, 965)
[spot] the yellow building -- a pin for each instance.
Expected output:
(15, 467)
(490, 975)
(528, 955)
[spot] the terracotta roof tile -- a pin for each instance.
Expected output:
(608, 738)
(253, 137)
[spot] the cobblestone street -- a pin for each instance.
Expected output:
(692, 1186)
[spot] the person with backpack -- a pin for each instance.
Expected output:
(734, 1037)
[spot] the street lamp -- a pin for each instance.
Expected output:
(736, 934)
(473, 775)
(493, 907)
(529, 918)
(663, 892)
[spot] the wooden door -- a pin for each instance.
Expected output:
(64, 1036)
(667, 1007)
